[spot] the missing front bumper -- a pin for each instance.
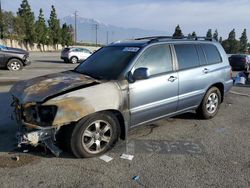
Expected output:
(45, 137)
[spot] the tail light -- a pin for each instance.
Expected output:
(231, 73)
(244, 60)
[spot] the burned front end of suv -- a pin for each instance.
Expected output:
(39, 110)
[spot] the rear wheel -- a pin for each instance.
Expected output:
(15, 65)
(210, 103)
(74, 60)
(95, 135)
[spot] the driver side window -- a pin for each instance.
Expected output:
(157, 59)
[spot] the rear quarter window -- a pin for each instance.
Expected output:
(212, 53)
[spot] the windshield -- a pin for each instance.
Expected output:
(108, 62)
(2, 46)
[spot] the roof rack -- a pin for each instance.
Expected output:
(162, 38)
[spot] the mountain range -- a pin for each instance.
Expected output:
(86, 31)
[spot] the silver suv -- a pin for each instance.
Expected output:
(122, 85)
(75, 54)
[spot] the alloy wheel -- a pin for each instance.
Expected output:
(212, 103)
(97, 136)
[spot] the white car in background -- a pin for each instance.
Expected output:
(75, 54)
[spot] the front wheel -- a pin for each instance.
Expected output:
(210, 103)
(15, 65)
(95, 135)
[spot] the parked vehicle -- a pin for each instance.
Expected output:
(239, 62)
(121, 86)
(13, 58)
(75, 54)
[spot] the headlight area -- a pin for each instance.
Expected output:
(40, 115)
(38, 120)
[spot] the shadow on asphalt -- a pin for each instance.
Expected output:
(8, 127)
(188, 115)
(54, 61)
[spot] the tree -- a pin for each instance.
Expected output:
(178, 33)
(41, 29)
(220, 40)
(54, 27)
(26, 16)
(67, 35)
(231, 45)
(8, 21)
(232, 35)
(243, 42)
(216, 35)
(209, 33)
(19, 28)
(194, 35)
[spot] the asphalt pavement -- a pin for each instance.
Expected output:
(182, 151)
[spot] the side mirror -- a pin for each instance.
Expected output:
(141, 74)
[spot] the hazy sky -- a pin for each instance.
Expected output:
(192, 15)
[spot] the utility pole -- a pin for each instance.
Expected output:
(107, 37)
(96, 29)
(113, 33)
(1, 20)
(75, 27)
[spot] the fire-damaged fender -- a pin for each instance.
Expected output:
(73, 106)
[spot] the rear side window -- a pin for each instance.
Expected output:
(86, 51)
(212, 53)
(187, 56)
(157, 59)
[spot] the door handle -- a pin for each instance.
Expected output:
(206, 70)
(172, 78)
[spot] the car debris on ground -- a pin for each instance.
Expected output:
(127, 156)
(106, 158)
(15, 158)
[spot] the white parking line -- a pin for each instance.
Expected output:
(9, 78)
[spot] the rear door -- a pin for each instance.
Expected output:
(157, 96)
(86, 53)
(192, 75)
(199, 68)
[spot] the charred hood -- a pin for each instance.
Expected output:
(41, 88)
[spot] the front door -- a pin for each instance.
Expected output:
(156, 96)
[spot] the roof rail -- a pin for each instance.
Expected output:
(162, 38)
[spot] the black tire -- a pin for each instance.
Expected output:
(206, 109)
(74, 60)
(14, 65)
(79, 141)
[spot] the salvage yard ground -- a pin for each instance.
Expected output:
(182, 151)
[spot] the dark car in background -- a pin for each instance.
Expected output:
(239, 62)
(13, 59)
